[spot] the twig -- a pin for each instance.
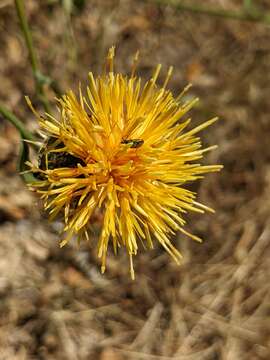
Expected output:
(253, 16)
(233, 343)
(197, 355)
(226, 328)
(68, 345)
(148, 328)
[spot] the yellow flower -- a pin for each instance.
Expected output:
(122, 150)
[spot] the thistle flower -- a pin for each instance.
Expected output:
(124, 151)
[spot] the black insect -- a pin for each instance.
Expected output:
(54, 160)
(134, 143)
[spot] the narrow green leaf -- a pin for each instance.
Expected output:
(24, 147)
(23, 157)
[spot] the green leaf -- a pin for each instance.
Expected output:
(24, 148)
(21, 166)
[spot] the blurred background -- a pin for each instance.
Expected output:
(54, 303)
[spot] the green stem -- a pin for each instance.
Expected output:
(27, 34)
(32, 54)
(24, 149)
(25, 134)
(255, 16)
(247, 5)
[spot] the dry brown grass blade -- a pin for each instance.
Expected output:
(145, 336)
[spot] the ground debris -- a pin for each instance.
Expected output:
(54, 303)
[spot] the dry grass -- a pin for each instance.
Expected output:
(54, 303)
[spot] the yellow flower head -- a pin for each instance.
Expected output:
(123, 151)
